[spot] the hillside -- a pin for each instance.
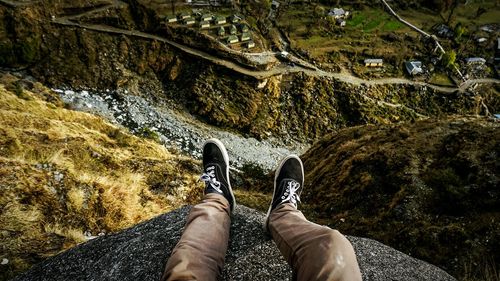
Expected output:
(93, 45)
(71, 176)
(68, 176)
(429, 189)
(409, 160)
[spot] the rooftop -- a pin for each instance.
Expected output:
(374, 60)
(475, 59)
(337, 12)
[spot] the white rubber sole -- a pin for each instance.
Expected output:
(266, 229)
(222, 148)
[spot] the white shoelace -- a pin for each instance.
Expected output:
(291, 193)
(209, 177)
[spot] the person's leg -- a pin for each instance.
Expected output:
(200, 253)
(314, 252)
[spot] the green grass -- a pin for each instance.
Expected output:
(372, 19)
(314, 41)
(369, 26)
(441, 79)
(392, 25)
(356, 20)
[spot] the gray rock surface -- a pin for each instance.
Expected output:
(140, 253)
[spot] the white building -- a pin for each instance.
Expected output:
(414, 67)
(338, 13)
(475, 60)
(374, 62)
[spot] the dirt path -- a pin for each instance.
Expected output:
(301, 66)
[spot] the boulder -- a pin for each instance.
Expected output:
(140, 253)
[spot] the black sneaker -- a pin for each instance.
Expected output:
(216, 170)
(288, 183)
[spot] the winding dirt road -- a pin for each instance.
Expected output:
(280, 69)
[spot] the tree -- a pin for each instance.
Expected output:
(449, 59)
(459, 31)
(330, 23)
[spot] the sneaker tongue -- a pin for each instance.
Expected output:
(285, 182)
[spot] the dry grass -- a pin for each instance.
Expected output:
(64, 173)
(483, 268)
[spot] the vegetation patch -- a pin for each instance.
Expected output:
(413, 186)
(441, 79)
(68, 176)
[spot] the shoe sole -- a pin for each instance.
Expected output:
(278, 170)
(222, 148)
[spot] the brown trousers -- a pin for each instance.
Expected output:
(314, 252)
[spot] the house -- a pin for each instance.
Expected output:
(204, 24)
(189, 21)
(284, 54)
(374, 62)
(235, 19)
(206, 17)
(481, 40)
(233, 30)
(244, 27)
(232, 39)
(414, 67)
(488, 28)
(477, 61)
(341, 22)
(221, 31)
(220, 20)
(275, 4)
(338, 13)
(171, 19)
(250, 44)
(245, 36)
(443, 31)
(183, 16)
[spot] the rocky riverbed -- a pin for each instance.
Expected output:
(178, 130)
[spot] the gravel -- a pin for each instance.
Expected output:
(179, 130)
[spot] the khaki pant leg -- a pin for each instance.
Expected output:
(200, 253)
(314, 252)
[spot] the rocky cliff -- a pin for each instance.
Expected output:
(140, 253)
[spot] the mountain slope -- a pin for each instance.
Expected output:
(66, 176)
(429, 189)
